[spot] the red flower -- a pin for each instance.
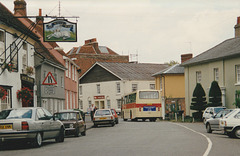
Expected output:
(3, 93)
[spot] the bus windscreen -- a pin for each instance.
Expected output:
(148, 95)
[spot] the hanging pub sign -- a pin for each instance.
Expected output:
(60, 30)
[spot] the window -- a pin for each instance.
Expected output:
(24, 56)
(98, 88)
(148, 95)
(62, 83)
(89, 103)
(80, 90)
(71, 100)
(118, 88)
(238, 74)
(80, 104)
(119, 103)
(5, 104)
(109, 103)
(2, 47)
(198, 77)
(74, 100)
(67, 100)
(161, 83)
(67, 68)
(134, 87)
(73, 77)
(14, 56)
(216, 74)
(152, 86)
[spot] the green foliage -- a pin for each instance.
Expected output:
(215, 95)
(198, 101)
(237, 99)
(171, 63)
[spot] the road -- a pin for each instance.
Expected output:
(136, 139)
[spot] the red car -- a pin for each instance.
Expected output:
(115, 115)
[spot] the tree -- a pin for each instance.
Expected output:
(198, 101)
(215, 95)
(171, 63)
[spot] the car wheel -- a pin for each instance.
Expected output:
(237, 132)
(113, 124)
(230, 135)
(84, 132)
(208, 127)
(37, 142)
(77, 132)
(60, 137)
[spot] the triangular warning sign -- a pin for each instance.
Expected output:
(49, 80)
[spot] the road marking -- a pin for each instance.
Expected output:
(208, 139)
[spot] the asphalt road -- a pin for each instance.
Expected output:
(136, 139)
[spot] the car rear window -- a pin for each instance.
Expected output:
(66, 116)
(102, 112)
(19, 114)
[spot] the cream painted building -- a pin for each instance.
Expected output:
(220, 63)
(104, 84)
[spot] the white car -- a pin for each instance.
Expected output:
(231, 123)
(103, 117)
(30, 124)
(209, 112)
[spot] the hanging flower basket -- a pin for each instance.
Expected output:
(3, 93)
(25, 94)
(29, 70)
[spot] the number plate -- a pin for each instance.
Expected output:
(9, 126)
(104, 118)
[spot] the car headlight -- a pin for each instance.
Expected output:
(71, 125)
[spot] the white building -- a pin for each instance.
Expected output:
(16, 55)
(104, 84)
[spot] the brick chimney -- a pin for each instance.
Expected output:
(40, 18)
(20, 6)
(237, 28)
(93, 42)
(185, 57)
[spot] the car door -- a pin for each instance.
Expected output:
(215, 122)
(54, 126)
(43, 123)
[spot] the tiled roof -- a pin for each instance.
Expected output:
(175, 69)
(228, 49)
(7, 17)
(89, 49)
(133, 71)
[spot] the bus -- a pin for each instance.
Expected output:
(142, 104)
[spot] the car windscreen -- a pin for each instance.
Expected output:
(19, 114)
(102, 112)
(66, 116)
(218, 109)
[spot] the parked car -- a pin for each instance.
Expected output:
(73, 122)
(30, 124)
(211, 111)
(103, 117)
(115, 115)
(231, 123)
(212, 124)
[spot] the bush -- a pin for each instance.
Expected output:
(198, 101)
(215, 95)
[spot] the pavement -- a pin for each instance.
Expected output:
(88, 121)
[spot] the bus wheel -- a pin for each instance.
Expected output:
(154, 120)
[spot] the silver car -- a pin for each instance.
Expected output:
(30, 124)
(212, 124)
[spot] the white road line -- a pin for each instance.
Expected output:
(208, 139)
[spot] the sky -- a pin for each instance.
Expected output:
(149, 31)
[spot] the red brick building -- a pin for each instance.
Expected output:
(87, 55)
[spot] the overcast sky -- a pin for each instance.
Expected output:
(158, 30)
